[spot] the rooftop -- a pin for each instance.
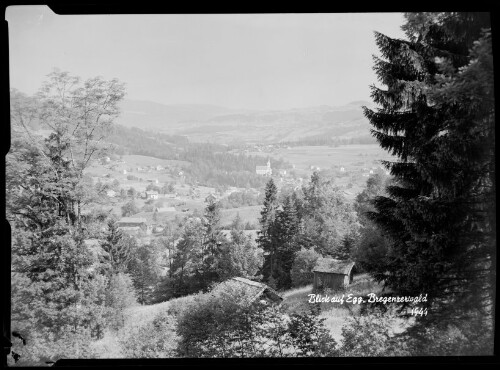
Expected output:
(333, 266)
(253, 288)
(132, 220)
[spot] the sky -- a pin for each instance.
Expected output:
(241, 61)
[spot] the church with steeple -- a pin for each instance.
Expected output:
(264, 170)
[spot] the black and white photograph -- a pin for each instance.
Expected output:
(250, 185)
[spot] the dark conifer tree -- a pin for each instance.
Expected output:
(287, 241)
(212, 247)
(345, 249)
(117, 247)
(266, 236)
(439, 243)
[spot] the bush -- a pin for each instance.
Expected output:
(372, 335)
(44, 345)
(129, 209)
(155, 339)
(226, 323)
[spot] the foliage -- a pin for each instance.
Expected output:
(129, 208)
(120, 295)
(44, 346)
(372, 335)
(144, 269)
(155, 339)
(226, 324)
(78, 117)
(266, 239)
(241, 199)
(302, 267)
(327, 217)
(117, 247)
(240, 257)
(437, 116)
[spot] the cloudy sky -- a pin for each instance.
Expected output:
(255, 61)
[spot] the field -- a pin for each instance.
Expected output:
(352, 157)
(247, 214)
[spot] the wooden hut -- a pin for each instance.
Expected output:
(332, 274)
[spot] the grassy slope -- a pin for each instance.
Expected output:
(334, 313)
(295, 300)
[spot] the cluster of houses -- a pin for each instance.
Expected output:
(138, 226)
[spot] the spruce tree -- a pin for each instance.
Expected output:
(117, 247)
(287, 229)
(439, 244)
(213, 240)
(266, 235)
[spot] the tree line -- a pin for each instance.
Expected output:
(210, 164)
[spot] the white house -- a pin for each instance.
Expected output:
(111, 193)
(151, 194)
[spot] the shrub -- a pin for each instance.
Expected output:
(44, 345)
(372, 335)
(226, 323)
(155, 339)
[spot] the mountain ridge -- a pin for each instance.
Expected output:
(202, 122)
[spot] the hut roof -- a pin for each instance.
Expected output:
(132, 220)
(333, 266)
(254, 288)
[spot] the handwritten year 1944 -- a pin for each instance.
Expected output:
(418, 311)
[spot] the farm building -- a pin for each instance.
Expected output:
(131, 223)
(333, 274)
(151, 194)
(253, 290)
(164, 209)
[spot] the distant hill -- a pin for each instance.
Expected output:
(217, 124)
(151, 115)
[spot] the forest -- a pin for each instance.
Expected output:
(211, 164)
(427, 228)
